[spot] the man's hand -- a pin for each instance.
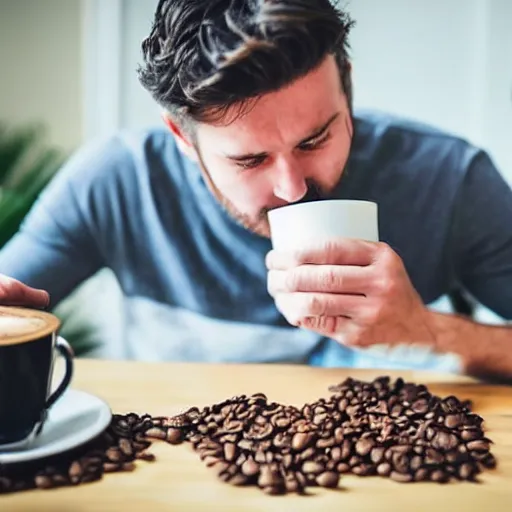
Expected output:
(15, 293)
(353, 291)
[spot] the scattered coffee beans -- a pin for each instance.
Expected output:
(390, 429)
(116, 449)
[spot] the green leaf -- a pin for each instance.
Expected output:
(14, 146)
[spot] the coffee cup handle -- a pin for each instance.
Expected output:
(66, 352)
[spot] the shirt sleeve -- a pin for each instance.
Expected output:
(58, 245)
(483, 233)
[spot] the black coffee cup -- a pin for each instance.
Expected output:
(29, 343)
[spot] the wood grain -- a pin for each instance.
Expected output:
(178, 480)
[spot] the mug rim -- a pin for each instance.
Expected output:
(53, 324)
(313, 204)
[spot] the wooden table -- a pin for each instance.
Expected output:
(179, 481)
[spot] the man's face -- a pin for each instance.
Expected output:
(292, 138)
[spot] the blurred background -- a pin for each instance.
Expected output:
(67, 74)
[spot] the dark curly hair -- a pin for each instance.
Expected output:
(204, 56)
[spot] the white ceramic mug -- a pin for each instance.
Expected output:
(300, 225)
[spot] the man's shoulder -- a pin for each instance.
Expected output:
(134, 145)
(385, 138)
(123, 156)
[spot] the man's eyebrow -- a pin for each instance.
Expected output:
(315, 133)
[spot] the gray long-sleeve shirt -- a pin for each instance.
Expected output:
(194, 280)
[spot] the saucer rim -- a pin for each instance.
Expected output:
(81, 437)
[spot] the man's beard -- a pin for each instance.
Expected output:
(258, 224)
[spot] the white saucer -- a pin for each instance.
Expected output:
(77, 417)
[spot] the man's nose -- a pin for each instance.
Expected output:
(289, 182)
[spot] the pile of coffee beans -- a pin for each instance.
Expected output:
(392, 429)
(384, 428)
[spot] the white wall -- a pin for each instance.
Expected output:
(446, 62)
(41, 67)
(137, 19)
(417, 58)
(496, 125)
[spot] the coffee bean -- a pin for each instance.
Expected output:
(387, 432)
(467, 471)
(433, 457)
(415, 463)
(400, 477)
(312, 467)
(269, 477)
(281, 440)
(229, 452)
(452, 420)
(260, 456)
(238, 479)
(156, 433)
(489, 461)
(384, 469)
(470, 435)
(292, 484)
(363, 470)
(342, 405)
(228, 438)
(346, 449)
(114, 454)
(308, 453)
(364, 446)
(421, 474)
(149, 457)
(343, 467)
(355, 460)
(420, 406)
(445, 441)
(339, 435)
(320, 418)
(301, 440)
(245, 444)
(377, 454)
(126, 447)
(438, 475)
(480, 445)
(326, 443)
(250, 467)
(43, 482)
(328, 479)
(220, 466)
(111, 467)
(335, 454)
(75, 472)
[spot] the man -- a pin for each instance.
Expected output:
(257, 97)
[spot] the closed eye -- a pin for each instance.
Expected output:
(315, 143)
(250, 163)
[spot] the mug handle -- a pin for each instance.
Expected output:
(66, 352)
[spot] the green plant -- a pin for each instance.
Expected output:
(27, 165)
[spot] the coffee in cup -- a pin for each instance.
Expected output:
(29, 342)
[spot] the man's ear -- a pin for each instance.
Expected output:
(182, 139)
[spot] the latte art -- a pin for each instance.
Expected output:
(20, 325)
(16, 326)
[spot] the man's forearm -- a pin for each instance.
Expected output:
(485, 350)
